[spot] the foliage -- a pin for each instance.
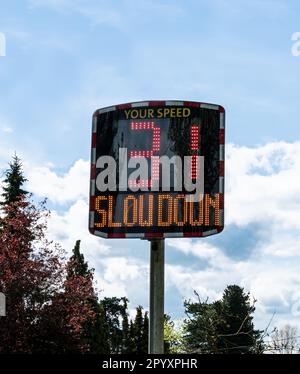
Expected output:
(224, 326)
(14, 180)
(31, 273)
(173, 337)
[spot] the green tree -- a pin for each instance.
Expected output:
(114, 309)
(31, 268)
(201, 327)
(238, 334)
(131, 347)
(79, 266)
(145, 334)
(137, 342)
(173, 337)
(224, 326)
(70, 318)
(95, 330)
(14, 180)
(138, 328)
(125, 332)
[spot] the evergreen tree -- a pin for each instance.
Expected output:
(14, 180)
(145, 334)
(70, 318)
(131, 348)
(138, 328)
(79, 265)
(138, 333)
(125, 331)
(224, 326)
(94, 331)
(201, 328)
(114, 310)
(238, 334)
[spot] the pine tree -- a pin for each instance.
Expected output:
(145, 334)
(138, 333)
(224, 326)
(138, 328)
(131, 346)
(79, 265)
(114, 310)
(201, 327)
(94, 332)
(238, 334)
(14, 180)
(125, 331)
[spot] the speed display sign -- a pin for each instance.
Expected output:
(157, 170)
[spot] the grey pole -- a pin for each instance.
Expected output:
(2, 305)
(156, 318)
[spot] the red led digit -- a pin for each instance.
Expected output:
(148, 125)
(194, 143)
(155, 138)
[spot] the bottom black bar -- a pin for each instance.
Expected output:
(134, 363)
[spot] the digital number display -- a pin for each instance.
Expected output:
(157, 170)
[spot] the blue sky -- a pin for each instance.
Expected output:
(64, 59)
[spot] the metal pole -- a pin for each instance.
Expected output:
(156, 318)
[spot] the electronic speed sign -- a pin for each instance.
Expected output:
(157, 170)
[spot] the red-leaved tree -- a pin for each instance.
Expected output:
(48, 301)
(31, 273)
(63, 321)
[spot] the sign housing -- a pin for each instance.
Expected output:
(128, 203)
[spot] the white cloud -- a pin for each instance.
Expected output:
(7, 129)
(120, 268)
(263, 185)
(71, 225)
(202, 250)
(109, 289)
(69, 187)
(281, 243)
(124, 276)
